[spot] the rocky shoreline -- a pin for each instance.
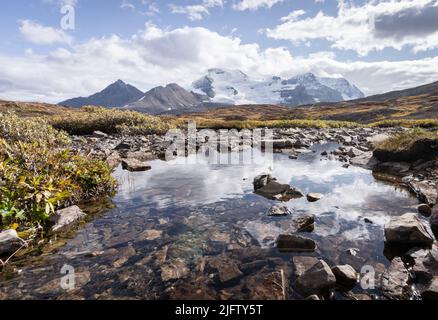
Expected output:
(418, 264)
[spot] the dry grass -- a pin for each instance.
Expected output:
(406, 139)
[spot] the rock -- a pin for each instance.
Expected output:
(313, 197)
(273, 189)
(393, 168)
(313, 297)
(295, 243)
(395, 280)
(431, 292)
(262, 180)
(305, 223)
(424, 209)
(123, 146)
(134, 165)
(10, 242)
(345, 275)
(319, 279)
(303, 263)
(279, 211)
(354, 152)
(226, 269)
(66, 218)
(434, 222)
(423, 149)
(253, 266)
(150, 235)
(407, 229)
(425, 264)
(426, 191)
(174, 270)
(99, 134)
(365, 160)
(114, 159)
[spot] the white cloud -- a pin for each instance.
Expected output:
(243, 5)
(372, 26)
(197, 11)
(144, 7)
(39, 34)
(156, 56)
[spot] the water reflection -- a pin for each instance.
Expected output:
(170, 222)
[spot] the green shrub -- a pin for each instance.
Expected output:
(39, 173)
(111, 121)
(13, 128)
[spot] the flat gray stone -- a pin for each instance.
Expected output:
(66, 218)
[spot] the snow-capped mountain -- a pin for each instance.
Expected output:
(235, 87)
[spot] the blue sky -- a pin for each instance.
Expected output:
(378, 45)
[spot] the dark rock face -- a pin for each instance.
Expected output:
(262, 180)
(116, 95)
(295, 243)
(434, 222)
(345, 275)
(426, 191)
(317, 280)
(431, 292)
(407, 230)
(424, 149)
(272, 189)
(395, 281)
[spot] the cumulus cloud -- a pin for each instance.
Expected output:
(155, 56)
(197, 11)
(243, 5)
(372, 26)
(39, 34)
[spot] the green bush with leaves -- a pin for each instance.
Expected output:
(39, 173)
(110, 121)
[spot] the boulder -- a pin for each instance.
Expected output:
(313, 197)
(295, 243)
(66, 218)
(134, 165)
(99, 134)
(10, 242)
(426, 191)
(408, 230)
(273, 189)
(319, 279)
(345, 275)
(395, 281)
(423, 149)
(431, 291)
(425, 264)
(365, 160)
(262, 180)
(303, 263)
(279, 211)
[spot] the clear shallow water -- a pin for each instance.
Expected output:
(171, 224)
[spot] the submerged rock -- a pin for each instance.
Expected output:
(407, 229)
(305, 223)
(295, 243)
(319, 279)
(303, 263)
(431, 291)
(393, 168)
(135, 165)
(279, 211)
(173, 270)
(226, 269)
(66, 218)
(395, 280)
(10, 242)
(345, 275)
